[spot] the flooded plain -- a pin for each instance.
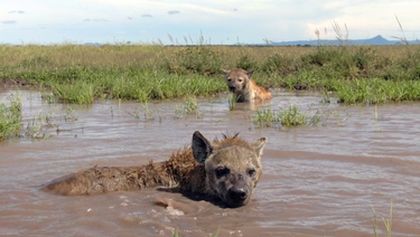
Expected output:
(333, 179)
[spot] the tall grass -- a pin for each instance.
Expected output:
(83, 86)
(375, 91)
(10, 118)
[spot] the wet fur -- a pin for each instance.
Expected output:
(245, 89)
(183, 172)
(180, 168)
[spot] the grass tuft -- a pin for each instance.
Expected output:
(266, 118)
(79, 92)
(290, 117)
(190, 107)
(10, 118)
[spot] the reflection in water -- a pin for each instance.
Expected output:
(318, 181)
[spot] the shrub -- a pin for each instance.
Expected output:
(197, 59)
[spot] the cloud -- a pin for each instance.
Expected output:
(173, 12)
(366, 19)
(202, 6)
(9, 22)
(16, 12)
(95, 20)
(223, 21)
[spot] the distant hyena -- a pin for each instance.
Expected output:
(245, 90)
(227, 170)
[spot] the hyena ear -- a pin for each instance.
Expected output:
(249, 72)
(201, 147)
(259, 145)
(226, 71)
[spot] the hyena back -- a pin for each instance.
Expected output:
(227, 170)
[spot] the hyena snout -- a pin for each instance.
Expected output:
(232, 88)
(235, 86)
(238, 194)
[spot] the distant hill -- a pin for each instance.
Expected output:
(377, 40)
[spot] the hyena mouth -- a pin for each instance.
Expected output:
(232, 88)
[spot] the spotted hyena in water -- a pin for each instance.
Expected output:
(226, 170)
(245, 89)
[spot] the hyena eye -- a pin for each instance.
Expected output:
(229, 79)
(240, 80)
(222, 171)
(251, 172)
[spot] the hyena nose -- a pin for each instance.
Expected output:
(237, 194)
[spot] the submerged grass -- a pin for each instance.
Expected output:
(290, 117)
(10, 119)
(81, 74)
(266, 118)
(190, 107)
(386, 221)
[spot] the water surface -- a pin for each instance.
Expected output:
(325, 180)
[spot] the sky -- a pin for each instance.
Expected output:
(192, 21)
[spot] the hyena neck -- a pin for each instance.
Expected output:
(187, 173)
(243, 96)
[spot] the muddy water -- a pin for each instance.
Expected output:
(327, 180)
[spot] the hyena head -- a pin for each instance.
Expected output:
(237, 79)
(232, 166)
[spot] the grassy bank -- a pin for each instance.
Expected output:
(81, 74)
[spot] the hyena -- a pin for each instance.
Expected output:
(225, 170)
(244, 89)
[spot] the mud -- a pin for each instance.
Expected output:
(327, 180)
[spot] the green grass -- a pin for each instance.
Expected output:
(266, 118)
(290, 117)
(10, 119)
(82, 74)
(84, 86)
(79, 92)
(377, 91)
